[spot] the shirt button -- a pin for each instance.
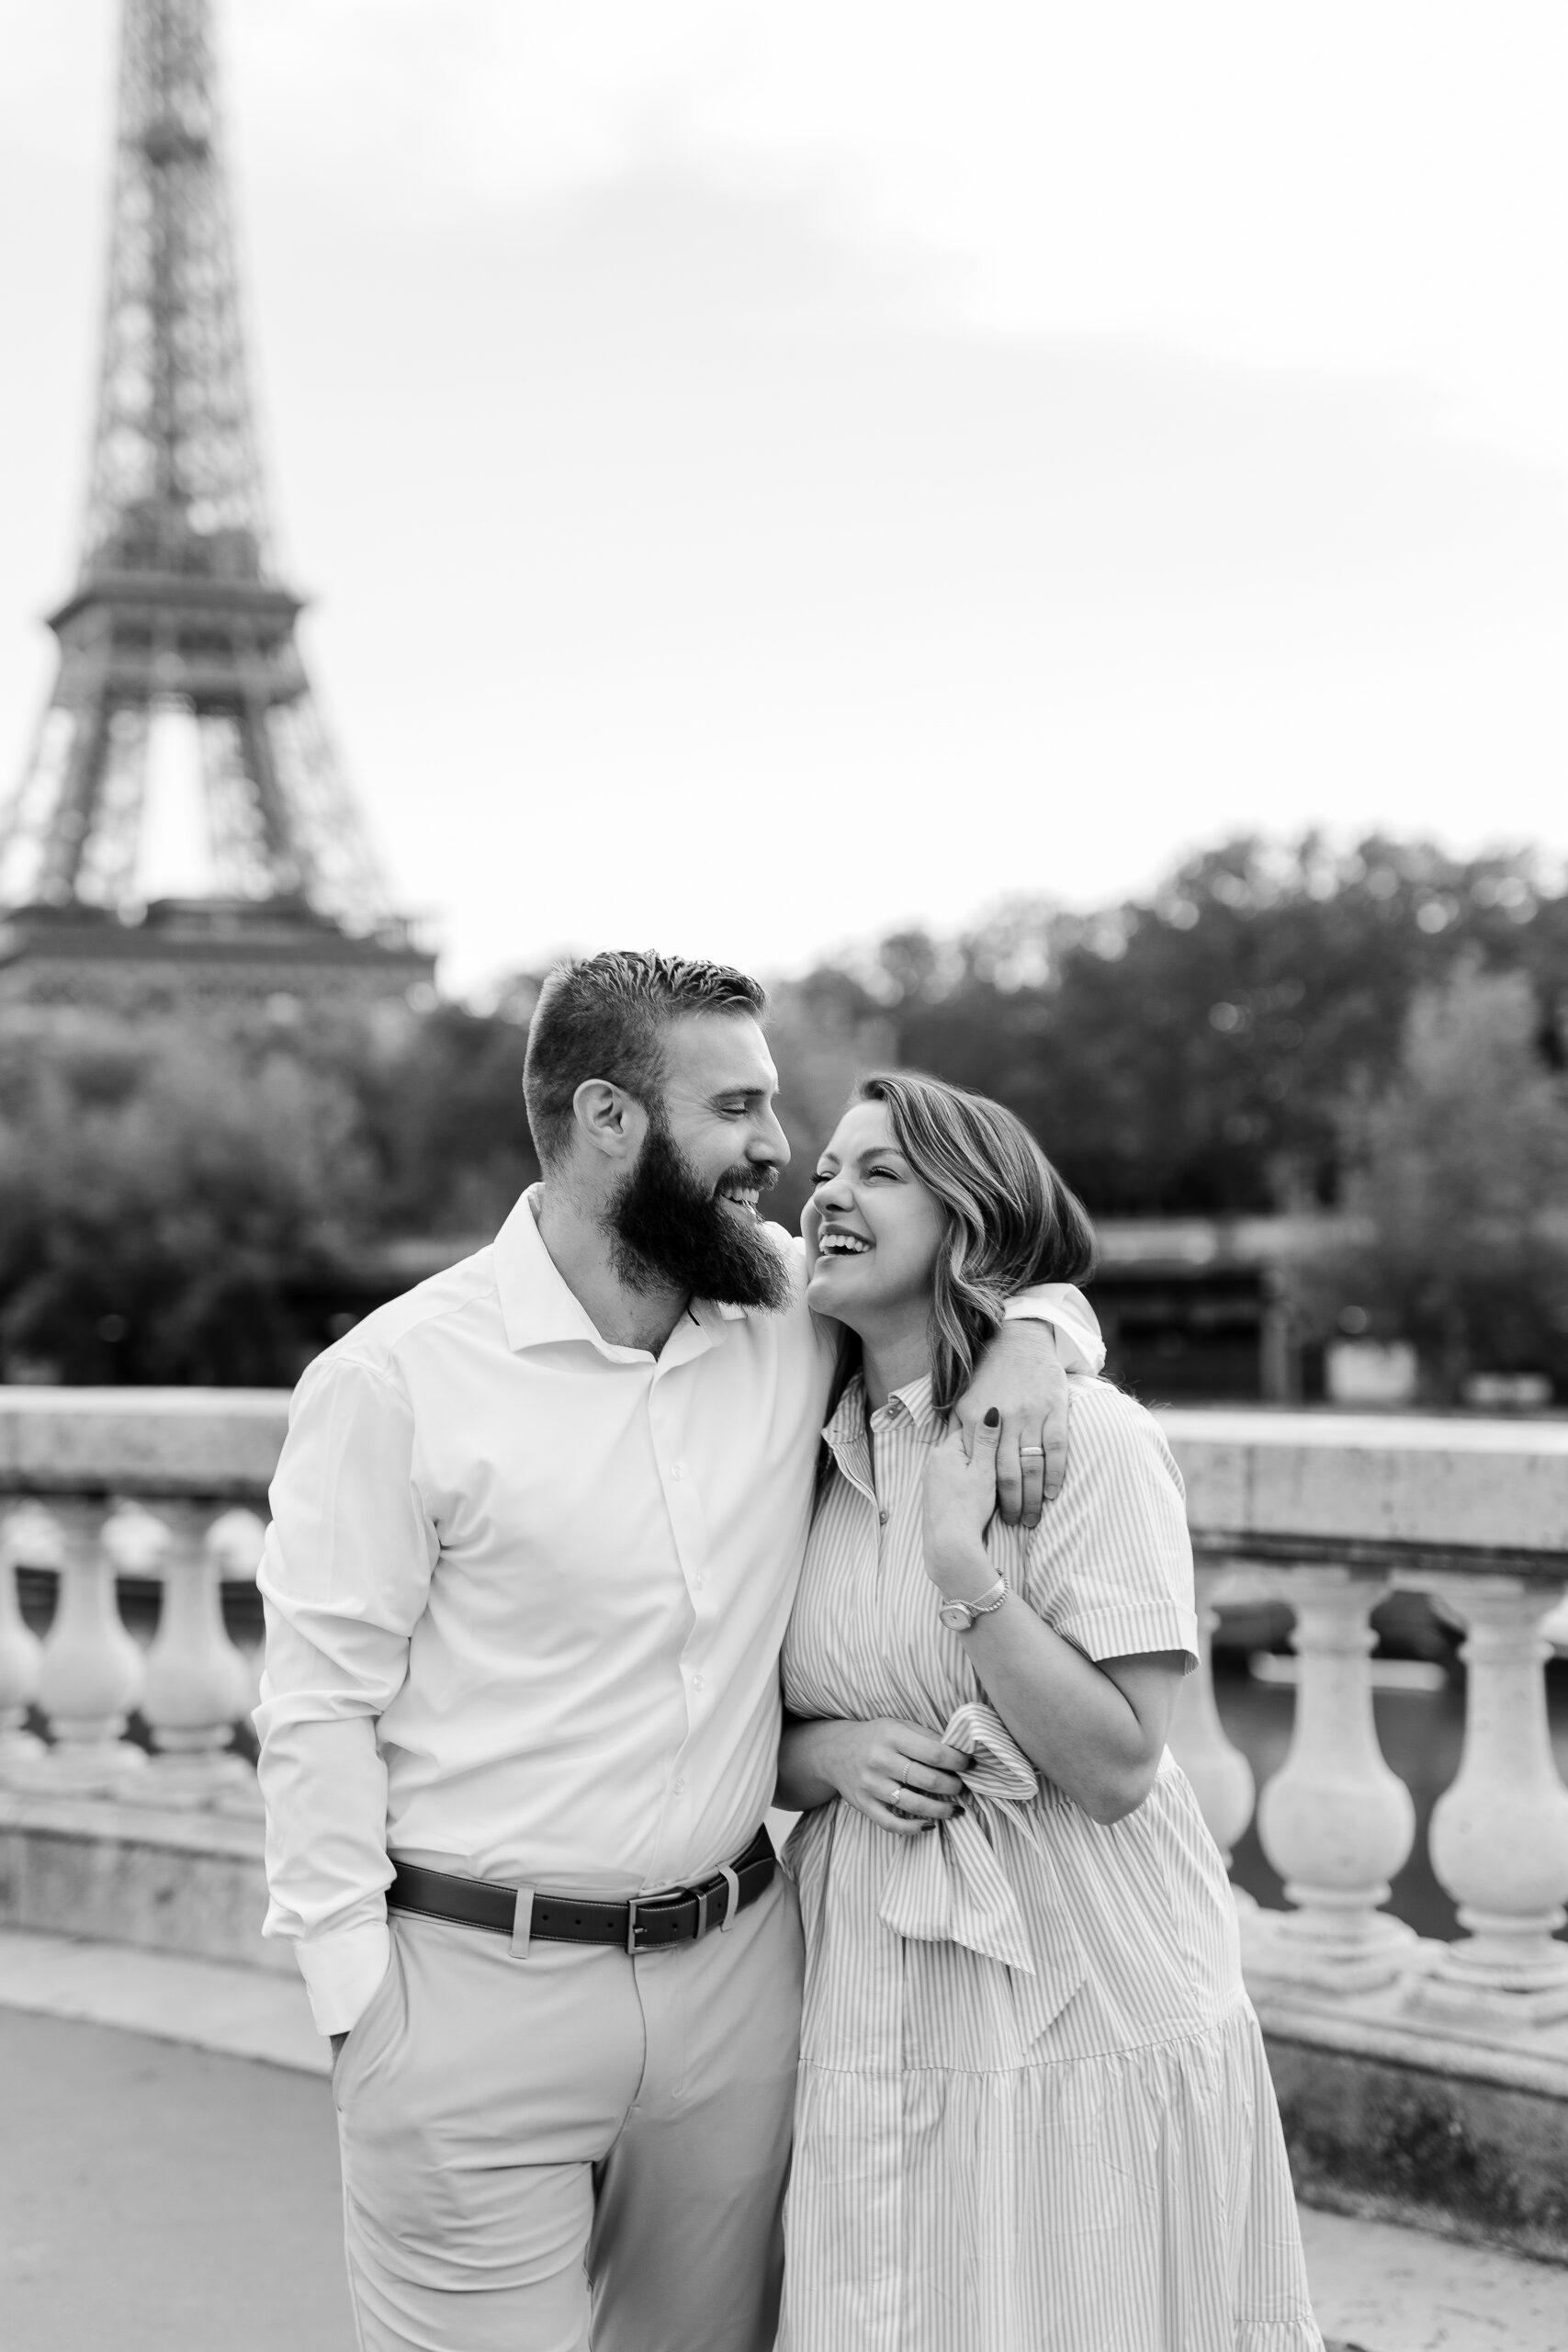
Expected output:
(680, 1788)
(676, 1471)
(696, 1681)
(697, 1583)
(881, 1517)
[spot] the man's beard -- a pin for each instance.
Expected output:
(668, 1230)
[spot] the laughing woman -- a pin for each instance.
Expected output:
(1034, 2113)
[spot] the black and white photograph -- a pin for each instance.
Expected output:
(784, 1177)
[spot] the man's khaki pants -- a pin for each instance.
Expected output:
(528, 2140)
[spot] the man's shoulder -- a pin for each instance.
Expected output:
(389, 1334)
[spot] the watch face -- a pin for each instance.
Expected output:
(958, 1614)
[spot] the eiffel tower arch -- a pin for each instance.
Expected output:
(178, 610)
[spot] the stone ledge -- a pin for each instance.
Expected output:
(1456, 2128)
(1426, 1483)
(1482, 2161)
(1376, 2026)
(219, 1443)
(1429, 1483)
(189, 1882)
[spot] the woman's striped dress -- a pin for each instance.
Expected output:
(1034, 2113)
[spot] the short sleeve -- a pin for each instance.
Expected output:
(1109, 1566)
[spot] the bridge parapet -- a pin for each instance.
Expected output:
(1419, 2079)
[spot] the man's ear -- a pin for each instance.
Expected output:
(609, 1119)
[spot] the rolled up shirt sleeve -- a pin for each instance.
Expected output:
(344, 1579)
(1065, 1307)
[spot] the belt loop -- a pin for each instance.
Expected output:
(732, 1897)
(523, 1923)
(631, 1925)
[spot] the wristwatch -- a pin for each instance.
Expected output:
(960, 1615)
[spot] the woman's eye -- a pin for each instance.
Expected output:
(823, 1176)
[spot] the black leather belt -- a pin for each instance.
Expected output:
(645, 1923)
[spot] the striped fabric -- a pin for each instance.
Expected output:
(1034, 2113)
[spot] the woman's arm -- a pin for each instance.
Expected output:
(1098, 1731)
(897, 1775)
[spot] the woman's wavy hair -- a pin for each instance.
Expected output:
(1010, 1220)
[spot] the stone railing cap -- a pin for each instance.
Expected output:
(217, 1442)
(1425, 1481)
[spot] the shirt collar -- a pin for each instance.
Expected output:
(540, 1308)
(912, 1403)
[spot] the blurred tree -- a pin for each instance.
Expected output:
(1189, 1053)
(159, 1201)
(443, 1122)
(1458, 1173)
(178, 1205)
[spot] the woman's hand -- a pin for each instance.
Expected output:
(1022, 1376)
(960, 1500)
(902, 1778)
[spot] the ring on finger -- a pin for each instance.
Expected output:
(1039, 1449)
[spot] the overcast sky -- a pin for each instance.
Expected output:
(771, 473)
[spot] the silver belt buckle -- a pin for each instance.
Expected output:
(631, 1925)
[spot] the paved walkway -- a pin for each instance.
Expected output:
(169, 2183)
(160, 2198)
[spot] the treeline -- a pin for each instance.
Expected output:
(1274, 1027)
(185, 1202)
(1194, 1053)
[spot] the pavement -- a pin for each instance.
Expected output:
(155, 2198)
(169, 2181)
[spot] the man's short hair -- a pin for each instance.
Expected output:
(604, 1016)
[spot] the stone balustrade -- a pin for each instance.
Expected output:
(102, 1490)
(111, 1492)
(136, 1818)
(1330, 1514)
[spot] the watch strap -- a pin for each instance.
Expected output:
(986, 1606)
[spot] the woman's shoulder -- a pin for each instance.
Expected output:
(1110, 1565)
(1114, 1432)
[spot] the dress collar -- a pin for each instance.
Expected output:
(912, 1403)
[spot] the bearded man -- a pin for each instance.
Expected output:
(536, 1528)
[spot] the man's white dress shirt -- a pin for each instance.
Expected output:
(525, 1593)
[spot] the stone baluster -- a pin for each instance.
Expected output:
(1221, 1776)
(1499, 1835)
(92, 1671)
(30, 1538)
(1334, 1821)
(236, 1538)
(196, 1681)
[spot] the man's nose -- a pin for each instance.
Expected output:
(771, 1143)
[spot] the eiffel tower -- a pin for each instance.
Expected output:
(178, 612)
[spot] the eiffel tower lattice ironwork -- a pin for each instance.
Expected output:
(177, 605)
